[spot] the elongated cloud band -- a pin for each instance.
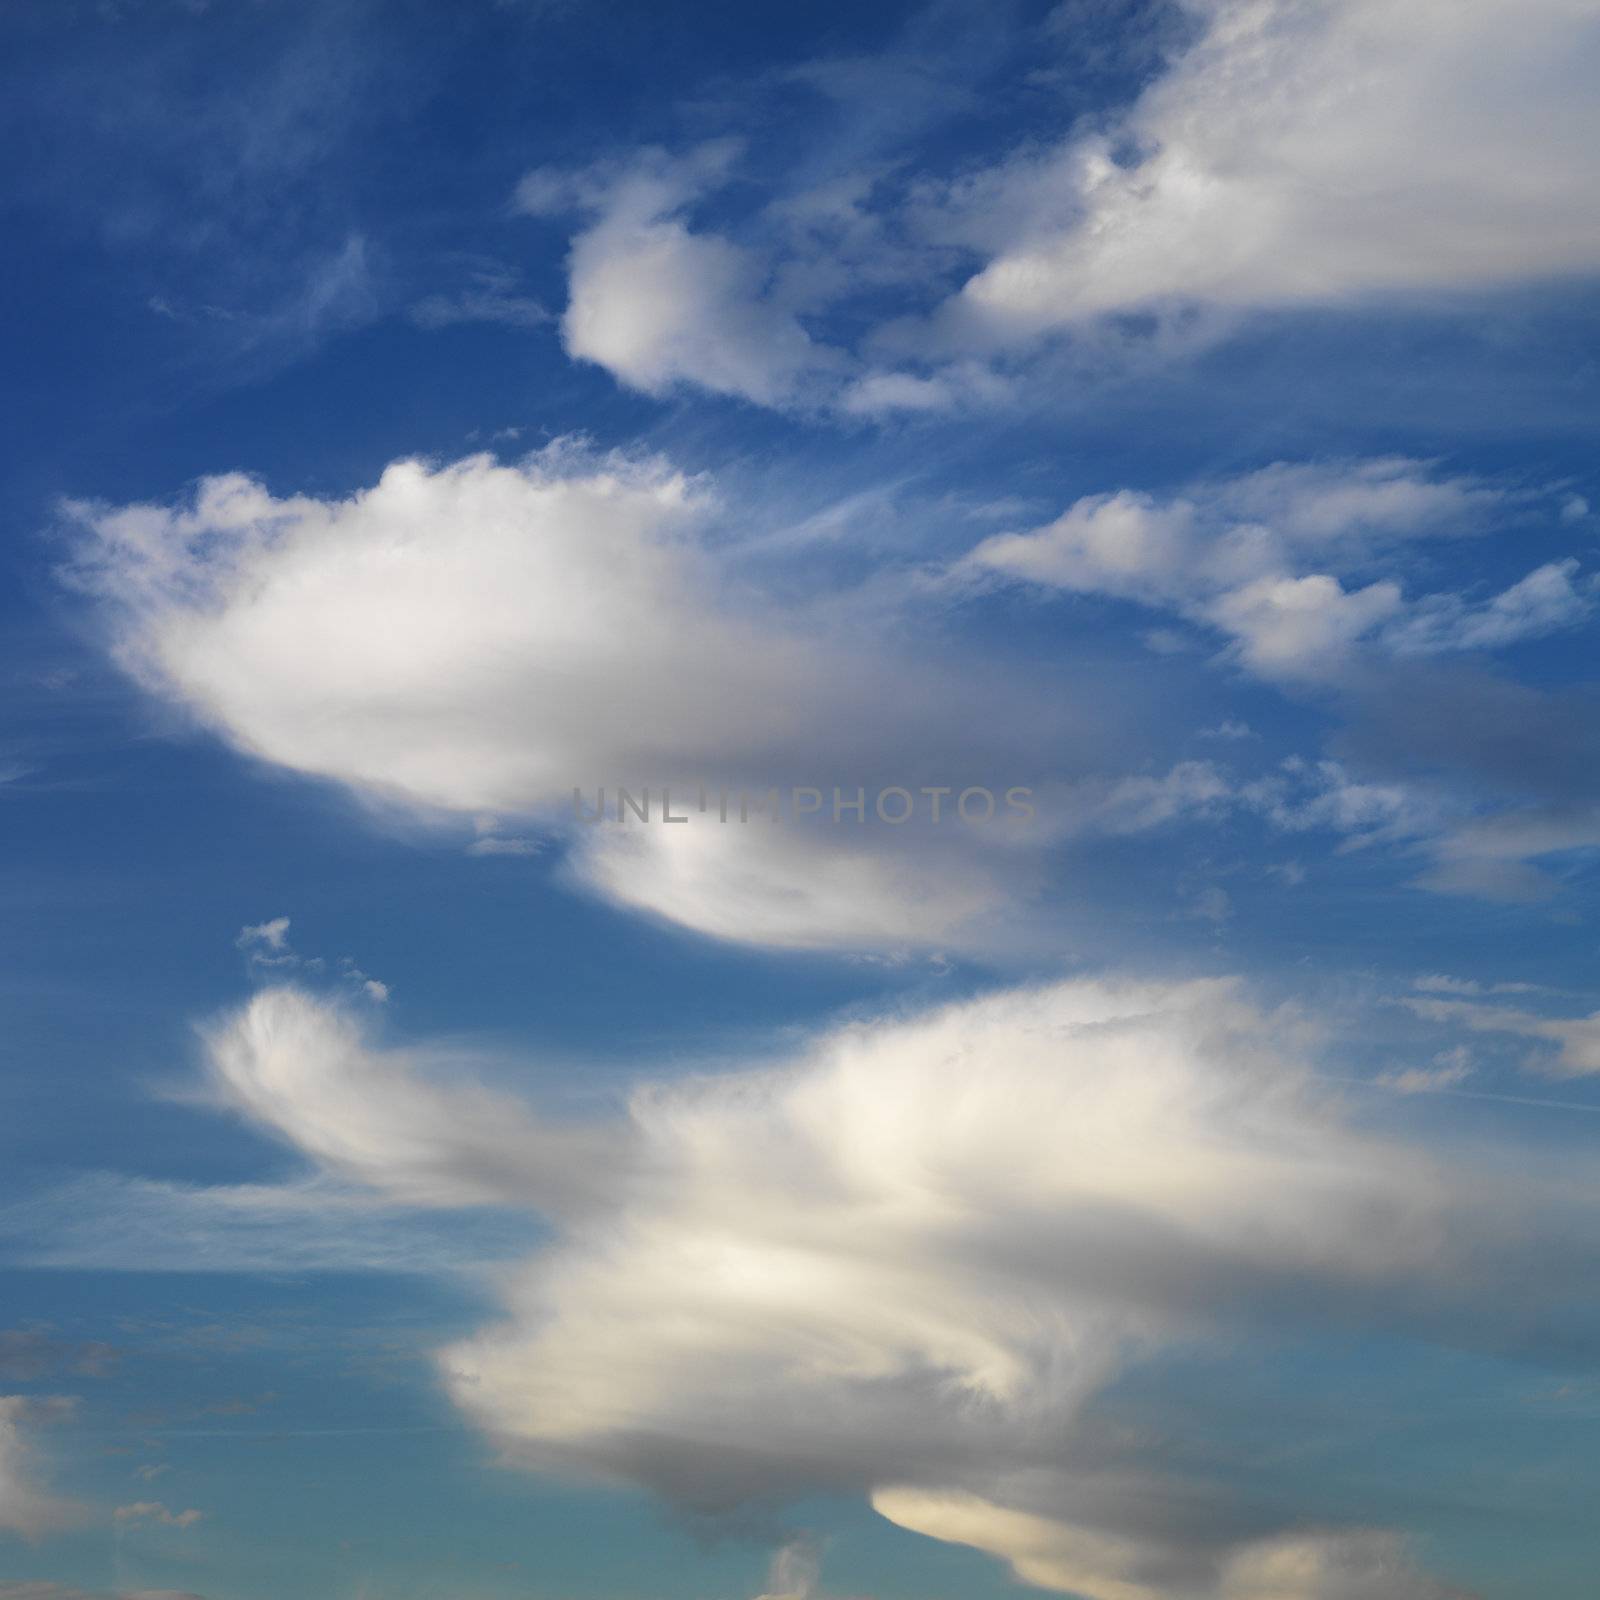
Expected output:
(481, 640)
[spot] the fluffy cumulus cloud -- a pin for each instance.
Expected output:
(474, 637)
(481, 639)
(910, 1261)
(659, 304)
(1265, 561)
(1285, 153)
(1314, 151)
(27, 1506)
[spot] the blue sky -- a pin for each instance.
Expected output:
(1171, 422)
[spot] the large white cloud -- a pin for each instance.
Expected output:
(1288, 153)
(1316, 151)
(904, 1263)
(474, 637)
(478, 639)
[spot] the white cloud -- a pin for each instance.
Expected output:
(800, 887)
(1265, 559)
(269, 952)
(881, 393)
(1449, 1068)
(1495, 856)
(1286, 626)
(472, 643)
(477, 638)
(1367, 1564)
(1314, 153)
(1137, 803)
(490, 841)
(888, 1265)
(491, 296)
(1360, 1564)
(904, 1263)
(1546, 601)
(1443, 983)
(1304, 796)
(1296, 153)
(1577, 1039)
(658, 304)
(271, 937)
(794, 1572)
(452, 636)
(816, 886)
(154, 1511)
(305, 1071)
(479, 641)
(27, 1506)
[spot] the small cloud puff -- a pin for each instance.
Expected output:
(153, 1511)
